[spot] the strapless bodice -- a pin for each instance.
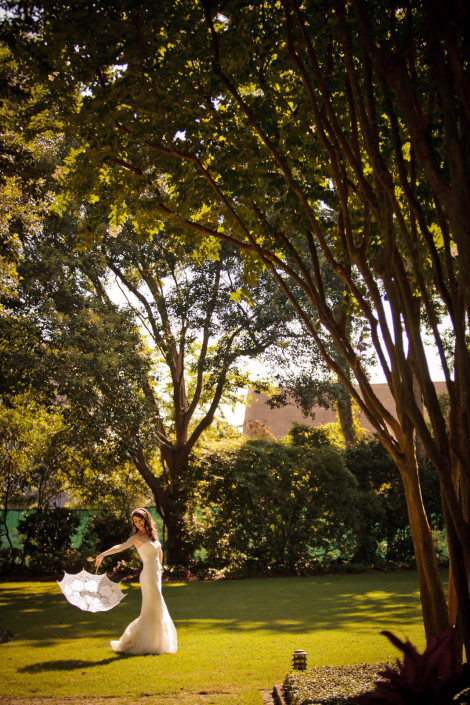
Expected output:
(148, 551)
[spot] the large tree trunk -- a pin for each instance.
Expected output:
(458, 586)
(459, 600)
(178, 550)
(346, 419)
(175, 462)
(433, 601)
(170, 501)
(420, 450)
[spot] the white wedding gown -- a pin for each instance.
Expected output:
(153, 632)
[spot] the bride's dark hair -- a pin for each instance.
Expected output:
(149, 523)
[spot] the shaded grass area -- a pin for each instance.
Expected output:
(235, 637)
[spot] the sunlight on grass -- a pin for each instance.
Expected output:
(235, 637)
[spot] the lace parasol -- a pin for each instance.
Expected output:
(92, 593)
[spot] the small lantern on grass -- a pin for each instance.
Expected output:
(299, 661)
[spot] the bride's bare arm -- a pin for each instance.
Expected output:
(115, 549)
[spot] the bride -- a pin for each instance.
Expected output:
(153, 632)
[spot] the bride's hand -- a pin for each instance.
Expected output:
(98, 560)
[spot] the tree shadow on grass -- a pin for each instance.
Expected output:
(278, 605)
(44, 618)
(67, 664)
(301, 605)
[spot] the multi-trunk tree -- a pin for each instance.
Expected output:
(301, 133)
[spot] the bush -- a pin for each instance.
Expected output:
(9, 560)
(47, 535)
(106, 529)
(259, 507)
(384, 536)
(177, 572)
(274, 508)
(126, 569)
(308, 436)
(69, 560)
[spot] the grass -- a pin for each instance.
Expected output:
(235, 638)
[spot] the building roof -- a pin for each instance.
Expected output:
(278, 421)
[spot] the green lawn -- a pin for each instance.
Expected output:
(235, 638)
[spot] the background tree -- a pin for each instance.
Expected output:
(142, 340)
(355, 122)
(22, 156)
(303, 377)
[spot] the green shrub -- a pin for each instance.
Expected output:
(177, 572)
(126, 569)
(261, 507)
(308, 436)
(268, 507)
(68, 560)
(47, 534)
(384, 536)
(104, 530)
(9, 560)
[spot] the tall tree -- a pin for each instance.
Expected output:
(31, 455)
(353, 120)
(143, 340)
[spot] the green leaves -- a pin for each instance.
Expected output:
(271, 507)
(59, 205)
(117, 218)
(236, 296)
(32, 458)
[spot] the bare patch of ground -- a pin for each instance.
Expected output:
(203, 697)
